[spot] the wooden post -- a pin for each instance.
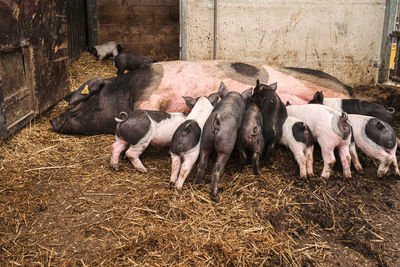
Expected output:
(93, 29)
(386, 48)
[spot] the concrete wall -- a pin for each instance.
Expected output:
(342, 38)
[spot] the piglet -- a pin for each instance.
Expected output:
(141, 128)
(250, 137)
(185, 144)
(355, 106)
(131, 61)
(376, 139)
(331, 129)
(298, 137)
(274, 114)
(104, 50)
(219, 134)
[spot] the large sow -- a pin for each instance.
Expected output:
(160, 86)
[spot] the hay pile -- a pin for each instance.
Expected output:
(61, 204)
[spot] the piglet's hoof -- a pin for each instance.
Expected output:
(197, 180)
(141, 170)
(214, 197)
(114, 166)
(171, 185)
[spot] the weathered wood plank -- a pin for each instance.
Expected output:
(34, 34)
(149, 27)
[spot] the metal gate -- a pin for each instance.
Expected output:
(77, 28)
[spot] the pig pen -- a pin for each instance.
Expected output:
(61, 204)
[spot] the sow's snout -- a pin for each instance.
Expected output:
(56, 124)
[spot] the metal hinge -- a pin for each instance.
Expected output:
(376, 64)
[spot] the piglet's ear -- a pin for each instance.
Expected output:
(190, 101)
(319, 97)
(222, 91)
(380, 125)
(257, 88)
(247, 94)
(273, 86)
(188, 128)
(213, 98)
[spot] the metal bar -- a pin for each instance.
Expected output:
(386, 48)
(215, 30)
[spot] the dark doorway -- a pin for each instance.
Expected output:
(77, 28)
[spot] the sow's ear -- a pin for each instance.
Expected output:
(190, 101)
(247, 94)
(222, 90)
(213, 98)
(273, 86)
(257, 88)
(86, 90)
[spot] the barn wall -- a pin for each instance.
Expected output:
(149, 27)
(34, 59)
(342, 38)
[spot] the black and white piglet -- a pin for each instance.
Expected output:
(298, 137)
(185, 143)
(131, 61)
(331, 130)
(250, 137)
(376, 139)
(219, 134)
(104, 50)
(355, 106)
(141, 128)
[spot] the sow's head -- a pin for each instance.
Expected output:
(93, 110)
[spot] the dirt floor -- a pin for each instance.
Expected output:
(62, 205)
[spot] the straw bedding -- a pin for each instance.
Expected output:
(62, 205)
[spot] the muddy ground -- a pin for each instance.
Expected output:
(62, 205)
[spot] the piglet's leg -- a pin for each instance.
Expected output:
(345, 158)
(354, 157)
(176, 165)
(329, 160)
(395, 166)
(189, 161)
(309, 161)
(268, 152)
(217, 171)
(201, 168)
(301, 159)
(133, 154)
(116, 150)
(256, 163)
(242, 158)
(384, 165)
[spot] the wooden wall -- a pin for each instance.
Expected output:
(34, 60)
(148, 27)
